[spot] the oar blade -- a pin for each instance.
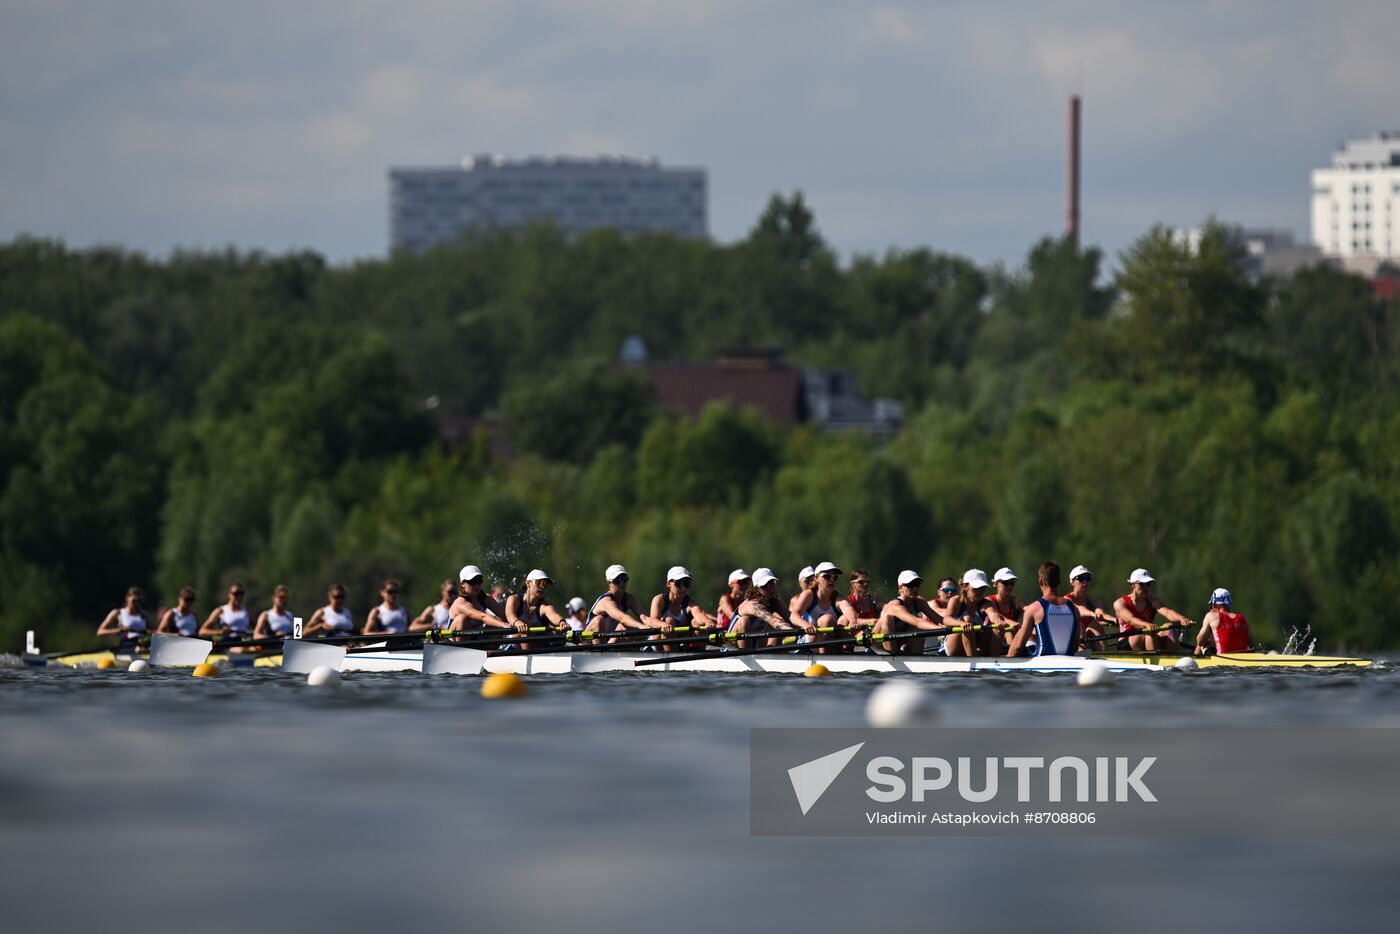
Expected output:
(439, 659)
(169, 651)
(299, 655)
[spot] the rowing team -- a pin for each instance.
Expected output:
(974, 617)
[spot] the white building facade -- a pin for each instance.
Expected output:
(1356, 202)
(430, 206)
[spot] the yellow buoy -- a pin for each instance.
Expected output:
(816, 670)
(205, 670)
(105, 663)
(503, 684)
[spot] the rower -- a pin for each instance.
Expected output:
(276, 620)
(333, 619)
(739, 583)
(1050, 625)
(973, 607)
(823, 607)
(1222, 630)
(388, 618)
(128, 623)
(474, 608)
(180, 619)
(1079, 580)
(762, 610)
(865, 603)
(1005, 601)
(806, 580)
(947, 590)
(577, 615)
(528, 608)
(615, 609)
(674, 608)
(436, 615)
(905, 613)
(1136, 611)
(230, 622)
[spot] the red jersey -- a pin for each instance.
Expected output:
(1231, 632)
(867, 607)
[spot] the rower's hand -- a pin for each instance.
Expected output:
(810, 630)
(667, 626)
(523, 628)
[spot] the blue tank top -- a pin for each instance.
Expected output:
(620, 604)
(677, 617)
(1055, 632)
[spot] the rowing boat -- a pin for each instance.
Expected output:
(1241, 660)
(246, 660)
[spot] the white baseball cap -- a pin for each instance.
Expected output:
(1140, 576)
(908, 577)
(1080, 571)
(613, 572)
(806, 572)
(576, 604)
(1004, 574)
(975, 578)
(1220, 595)
(469, 572)
(762, 577)
(537, 575)
(678, 573)
(738, 574)
(826, 566)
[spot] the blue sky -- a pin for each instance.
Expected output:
(271, 125)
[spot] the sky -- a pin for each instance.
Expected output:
(162, 124)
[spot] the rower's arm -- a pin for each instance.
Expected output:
(315, 624)
(848, 619)
(1205, 639)
(423, 621)
(167, 622)
(1029, 617)
(214, 625)
(702, 619)
(371, 622)
(1127, 622)
(548, 611)
(799, 605)
(109, 625)
(1174, 616)
(260, 627)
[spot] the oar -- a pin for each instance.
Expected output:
(1136, 632)
(701, 636)
(863, 639)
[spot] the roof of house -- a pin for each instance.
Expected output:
(774, 390)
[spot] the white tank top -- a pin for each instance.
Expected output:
(392, 620)
(441, 618)
(337, 620)
(186, 624)
(235, 621)
(130, 622)
(279, 623)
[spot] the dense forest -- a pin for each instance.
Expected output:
(274, 419)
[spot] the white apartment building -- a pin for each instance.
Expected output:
(1356, 202)
(429, 206)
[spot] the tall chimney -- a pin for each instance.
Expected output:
(1072, 220)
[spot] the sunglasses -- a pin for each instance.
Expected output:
(683, 583)
(1085, 578)
(621, 579)
(231, 593)
(858, 580)
(390, 590)
(947, 590)
(828, 576)
(338, 596)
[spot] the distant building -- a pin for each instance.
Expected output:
(1269, 253)
(1356, 203)
(430, 206)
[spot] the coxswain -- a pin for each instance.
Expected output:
(761, 612)
(474, 608)
(1006, 603)
(333, 619)
(673, 608)
(1079, 580)
(1222, 631)
(1137, 610)
(128, 623)
(906, 613)
(739, 583)
(529, 609)
(865, 603)
(436, 615)
(276, 620)
(1050, 625)
(230, 622)
(388, 618)
(615, 609)
(823, 607)
(180, 620)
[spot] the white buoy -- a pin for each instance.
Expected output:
(902, 702)
(138, 666)
(1095, 673)
(323, 676)
(1186, 663)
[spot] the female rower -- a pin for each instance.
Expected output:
(1222, 630)
(806, 580)
(865, 603)
(739, 583)
(577, 615)
(1137, 610)
(528, 608)
(230, 622)
(615, 609)
(1079, 580)
(436, 615)
(128, 623)
(275, 621)
(947, 590)
(1006, 603)
(906, 613)
(388, 618)
(973, 607)
(674, 608)
(474, 608)
(761, 612)
(823, 607)
(180, 619)
(333, 619)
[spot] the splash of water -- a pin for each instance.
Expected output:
(1300, 643)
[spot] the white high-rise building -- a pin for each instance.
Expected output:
(429, 206)
(1356, 202)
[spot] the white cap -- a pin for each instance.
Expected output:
(762, 577)
(613, 572)
(975, 578)
(537, 575)
(805, 573)
(1079, 571)
(576, 604)
(469, 572)
(1140, 576)
(908, 577)
(738, 574)
(1003, 574)
(1220, 595)
(679, 573)
(826, 566)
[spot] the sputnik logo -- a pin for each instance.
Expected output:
(810, 780)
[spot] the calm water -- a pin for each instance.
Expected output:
(597, 803)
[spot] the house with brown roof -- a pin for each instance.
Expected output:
(748, 378)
